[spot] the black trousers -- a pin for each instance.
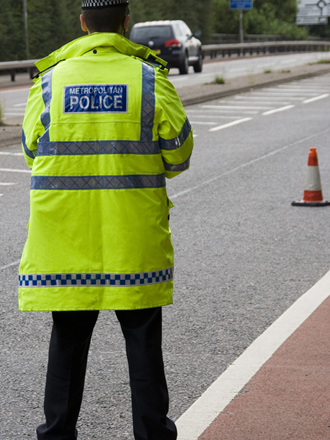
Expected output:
(68, 353)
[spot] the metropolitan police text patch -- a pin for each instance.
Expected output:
(99, 98)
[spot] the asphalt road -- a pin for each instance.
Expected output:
(243, 256)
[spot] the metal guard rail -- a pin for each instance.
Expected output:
(213, 50)
(270, 47)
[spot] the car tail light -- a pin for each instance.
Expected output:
(172, 43)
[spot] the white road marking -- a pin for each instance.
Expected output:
(244, 165)
(230, 124)
(260, 98)
(20, 105)
(289, 92)
(303, 88)
(1, 195)
(7, 184)
(251, 103)
(203, 123)
(9, 170)
(277, 110)
(213, 115)
(239, 107)
(291, 98)
(316, 98)
(215, 399)
(14, 114)
(195, 135)
(215, 112)
(11, 264)
(6, 153)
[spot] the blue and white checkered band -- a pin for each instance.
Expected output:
(97, 279)
(102, 3)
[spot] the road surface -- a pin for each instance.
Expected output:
(243, 257)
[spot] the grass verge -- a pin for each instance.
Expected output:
(219, 80)
(324, 61)
(2, 114)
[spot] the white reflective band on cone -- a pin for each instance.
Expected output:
(313, 179)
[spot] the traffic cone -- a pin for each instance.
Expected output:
(313, 190)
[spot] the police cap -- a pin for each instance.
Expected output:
(89, 4)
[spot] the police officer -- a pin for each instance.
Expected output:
(103, 130)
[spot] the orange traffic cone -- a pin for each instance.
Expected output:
(313, 190)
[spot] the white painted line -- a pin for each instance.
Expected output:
(7, 184)
(247, 102)
(204, 115)
(215, 399)
(195, 135)
(281, 109)
(289, 92)
(20, 105)
(316, 98)
(10, 265)
(203, 123)
(217, 111)
(238, 107)
(230, 124)
(6, 153)
(303, 88)
(1, 195)
(292, 98)
(14, 114)
(9, 170)
(260, 99)
(246, 164)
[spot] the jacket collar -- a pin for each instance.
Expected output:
(78, 47)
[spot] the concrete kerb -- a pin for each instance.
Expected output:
(235, 88)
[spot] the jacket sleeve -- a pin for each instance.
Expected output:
(32, 126)
(174, 130)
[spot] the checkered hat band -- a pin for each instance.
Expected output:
(102, 3)
(97, 279)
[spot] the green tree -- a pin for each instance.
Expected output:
(272, 17)
(12, 42)
(195, 13)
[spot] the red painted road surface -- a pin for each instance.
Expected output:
(289, 397)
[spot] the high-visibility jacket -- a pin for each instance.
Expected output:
(103, 128)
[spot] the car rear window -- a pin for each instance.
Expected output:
(151, 32)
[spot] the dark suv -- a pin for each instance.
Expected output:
(171, 40)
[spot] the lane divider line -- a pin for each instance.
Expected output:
(316, 98)
(230, 124)
(244, 165)
(277, 110)
(7, 183)
(215, 399)
(10, 265)
(1, 195)
(7, 153)
(15, 171)
(203, 123)
(236, 107)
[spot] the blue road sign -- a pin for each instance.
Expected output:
(241, 4)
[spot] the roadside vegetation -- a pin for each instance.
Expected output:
(220, 80)
(55, 22)
(2, 114)
(324, 61)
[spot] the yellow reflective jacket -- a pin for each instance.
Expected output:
(103, 128)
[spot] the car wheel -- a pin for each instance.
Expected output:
(198, 67)
(184, 67)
